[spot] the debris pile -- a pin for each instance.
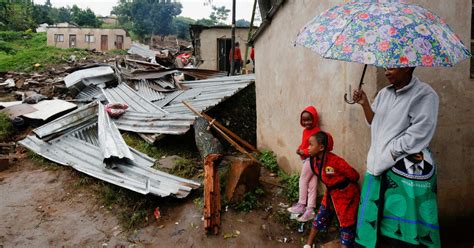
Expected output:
(80, 111)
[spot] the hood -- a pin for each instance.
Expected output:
(330, 146)
(312, 110)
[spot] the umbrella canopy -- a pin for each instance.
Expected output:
(388, 34)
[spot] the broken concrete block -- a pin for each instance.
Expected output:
(243, 177)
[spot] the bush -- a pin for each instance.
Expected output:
(269, 161)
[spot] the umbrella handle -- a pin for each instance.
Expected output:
(350, 101)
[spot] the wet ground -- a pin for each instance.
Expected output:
(41, 207)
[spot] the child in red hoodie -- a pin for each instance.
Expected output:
(308, 182)
(342, 191)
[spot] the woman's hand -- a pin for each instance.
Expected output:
(360, 97)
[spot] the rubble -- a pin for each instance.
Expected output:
(74, 129)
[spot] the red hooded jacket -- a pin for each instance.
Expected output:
(308, 132)
(340, 180)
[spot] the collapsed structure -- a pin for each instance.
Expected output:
(89, 140)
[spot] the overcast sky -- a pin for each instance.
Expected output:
(191, 8)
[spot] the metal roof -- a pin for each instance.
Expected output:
(87, 158)
(153, 123)
(78, 118)
(212, 92)
(124, 94)
(111, 142)
(144, 89)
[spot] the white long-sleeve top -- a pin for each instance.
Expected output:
(404, 123)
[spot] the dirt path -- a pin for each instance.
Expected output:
(40, 207)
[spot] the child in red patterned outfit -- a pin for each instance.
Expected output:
(342, 191)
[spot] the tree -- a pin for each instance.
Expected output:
(16, 15)
(148, 17)
(43, 13)
(84, 17)
(181, 26)
(219, 14)
(206, 22)
(242, 23)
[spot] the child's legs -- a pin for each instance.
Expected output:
(312, 191)
(347, 236)
(321, 222)
(305, 177)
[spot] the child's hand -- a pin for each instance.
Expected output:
(300, 152)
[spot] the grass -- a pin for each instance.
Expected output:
(184, 167)
(6, 127)
(20, 51)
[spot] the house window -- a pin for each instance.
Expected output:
(89, 38)
(59, 38)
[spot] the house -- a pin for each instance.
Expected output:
(288, 78)
(88, 38)
(212, 45)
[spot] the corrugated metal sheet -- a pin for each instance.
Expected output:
(80, 79)
(144, 89)
(169, 97)
(124, 94)
(132, 175)
(111, 142)
(152, 123)
(90, 93)
(142, 51)
(213, 92)
(75, 120)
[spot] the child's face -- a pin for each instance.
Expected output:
(307, 120)
(314, 147)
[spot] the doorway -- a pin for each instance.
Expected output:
(223, 52)
(119, 42)
(104, 43)
(72, 41)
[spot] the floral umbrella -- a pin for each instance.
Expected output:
(389, 34)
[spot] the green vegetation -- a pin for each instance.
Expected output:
(292, 185)
(20, 15)
(184, 168)
(20, 51)
(6, 127)
(250, 201)
(291, 182)
(141, 16)
(269, 161)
